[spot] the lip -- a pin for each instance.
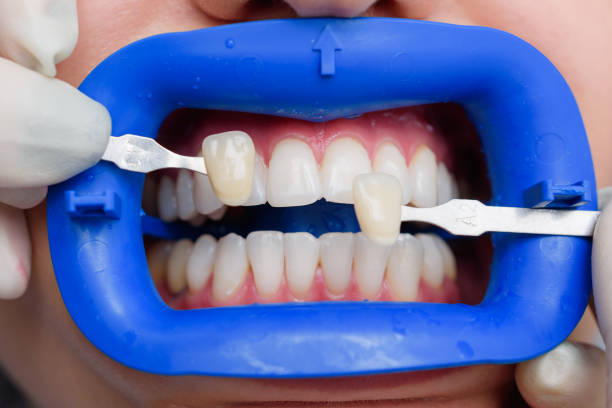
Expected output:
(516, 97)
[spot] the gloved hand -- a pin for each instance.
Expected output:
(49, 131)
(574, 374)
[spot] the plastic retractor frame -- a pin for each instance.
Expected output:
(321, 69)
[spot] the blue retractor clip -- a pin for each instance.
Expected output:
(321, 69)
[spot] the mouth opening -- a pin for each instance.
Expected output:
(288, 243)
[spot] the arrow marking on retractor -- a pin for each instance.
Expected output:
(327, 45)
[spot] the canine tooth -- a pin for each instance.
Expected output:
(265, 251)
(404, 268)
(344, 159)
(177, 265)
(230, 157)
(293, 178)
(260, 178)
(204, 196)
(369, 263)
(423, 175)
(337, 250)
(157, 259)
(301, 260)
(218, 213)
(149, 196)
(448, 258)
(390, 160)
(231, 266)
(433, 265)
(167, 204)
(445, 192)
(377, 199)
(201, 261)
(184, 195)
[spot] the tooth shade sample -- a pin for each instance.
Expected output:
(344, 159)
(218, 213)
(167, 204)
(433, 265)
(404, 268)
(184, 195)
(301, 260)
(149, 196)
(201, 261)
(265, 251)
(423, 178)
(231, 267)
(369, 265)
(337, 260)
(293, 177)
(177, 265)
(204, 196)
(260, 178)
(448, 258)
(389, 160)
(230, 159)
(445, 187)
(377, 199)
(157, 259)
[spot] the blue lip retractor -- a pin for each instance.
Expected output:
(320, 69)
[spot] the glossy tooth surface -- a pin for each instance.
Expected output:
(301, 260)
(265, 251)
(201, 261)
(423, 178)
(404, 268)
(389, 160)
(167, 204)
(260, 181)
(336, 254)
(344, 159)
(157, 259)
(204, 196)
(377, 199)
(231, 266)
(448, 258)
(433, 265)
(445, 187)
(293, 177)
(230, 159)
(149, 196)
(369, 264)
(218, 213)
(177, 265)
(184, 195)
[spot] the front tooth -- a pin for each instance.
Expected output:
(260, 178)
(369, 263)
(433, 265)
(231, 266)
(445, 188)
(265, 251)
(201, 261)
(404, 268)
(167, 204)
(157, 259)
(293, 178)
(344, 159)
(337, 260)
(390, 160)
(448, 258)
(423, 175)
(301, 259)
(204, 196)
(184, 195)
(378, 205)
(177, 265)
(229, 158)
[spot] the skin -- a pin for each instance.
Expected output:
(51, 360)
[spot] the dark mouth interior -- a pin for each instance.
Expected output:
(179, 133)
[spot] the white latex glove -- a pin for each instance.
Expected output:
(49, 131)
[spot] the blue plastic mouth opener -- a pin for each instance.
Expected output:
(321, 69)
